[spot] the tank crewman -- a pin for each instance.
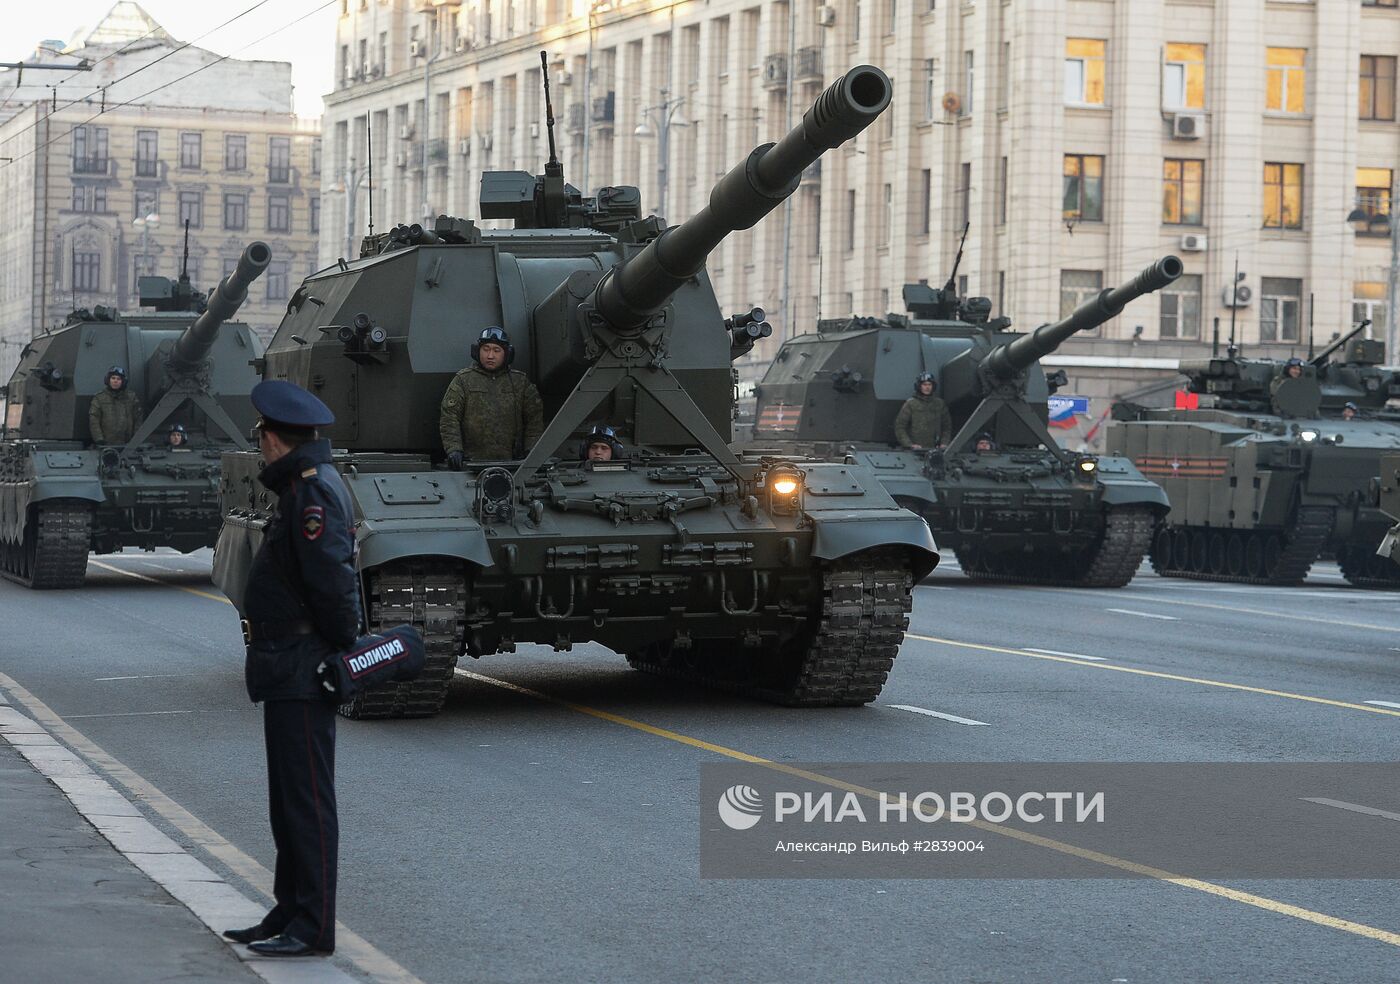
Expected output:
(1350, 411)
(490, 411)
(601, 444)
(985, 444)
(301, 605)
(923, 421)
(177, 439)
(1292, 369)
(115, 413)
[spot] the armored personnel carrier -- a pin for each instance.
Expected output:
(1020, 509)
(61, 493)
(1271, 470)
(777, 576)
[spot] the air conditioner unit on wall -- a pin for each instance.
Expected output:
(415, 48)
(1188, 126)
(406, 132)
(400, 160)
(1240, 295)
(486, 141)
(460, 45)
(464, 146)
(826, 16)
(1193, 243)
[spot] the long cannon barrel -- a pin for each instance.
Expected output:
(633, 291)
(193, 345)
(1325, 354)
(1007, 360)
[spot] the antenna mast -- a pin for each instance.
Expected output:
(552, 167)
(952, 283)
(369, 163)
(1232, 349)
(185, 259)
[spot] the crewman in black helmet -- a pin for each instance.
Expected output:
(923, 421)
(490, 411)
(115, 413)
(601, 444)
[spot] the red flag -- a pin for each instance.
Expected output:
(1187, 401)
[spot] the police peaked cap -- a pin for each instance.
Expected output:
(281, 402)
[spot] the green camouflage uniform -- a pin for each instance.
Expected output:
(925, 421)
(491, 416)
(114, 416)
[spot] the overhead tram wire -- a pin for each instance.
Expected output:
(134, 99)
(141, 68)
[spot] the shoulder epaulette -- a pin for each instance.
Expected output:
(309, 473)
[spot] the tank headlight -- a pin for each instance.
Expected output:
(1307, 436)
(1086, 468)
(786, 485)
(784, 490)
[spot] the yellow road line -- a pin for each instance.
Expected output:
(1120, 864)
(156, 580)
(377, 965)
(1157, 674)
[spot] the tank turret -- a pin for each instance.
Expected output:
(196, 341)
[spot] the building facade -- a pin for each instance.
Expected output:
(1077, 140)
(92, 198)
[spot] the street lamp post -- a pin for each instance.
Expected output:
(1373, 220)
(665, 115)
(146, 223)
(354, 177)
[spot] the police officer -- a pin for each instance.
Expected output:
(177, 439)
(115, 413)
(923, 421)
(601, 444)
(301, 605)
(490, 411)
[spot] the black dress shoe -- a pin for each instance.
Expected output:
(285, 946)
(250, 935)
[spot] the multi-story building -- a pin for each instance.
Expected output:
(1077, 139)
(93, 197)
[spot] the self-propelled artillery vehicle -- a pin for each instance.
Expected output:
(1022, 508)
(1271, 470)
(63, 494)
(782, 577)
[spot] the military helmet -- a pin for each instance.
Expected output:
(177, 428)
(119, 372)
(1351, 406)
(925, 377)
(602, 434)
(493, 334)
(1293, 362)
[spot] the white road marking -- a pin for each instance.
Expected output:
(1129, 611)
(1056, 652)
(126, 714)
(148, 676)
(1370, 811)
(940, 715)
(1382, 703)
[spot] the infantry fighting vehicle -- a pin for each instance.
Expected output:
(776, 576)
(1266, 474)
(61, 496)
(1025, 510)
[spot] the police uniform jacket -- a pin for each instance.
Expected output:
(302, 601)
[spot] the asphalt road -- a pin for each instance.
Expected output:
(524, 836)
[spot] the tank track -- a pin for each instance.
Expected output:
(1364, 569)
(431, 597)
(843, 660)
(1301, 547)
(1111, 564)
(54, 553)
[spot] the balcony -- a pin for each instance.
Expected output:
(809, 65)
(604, 108)
(576, 118)
(775, 69)
(437, 151)
(147, 167)
(279, 174)
(92, 165)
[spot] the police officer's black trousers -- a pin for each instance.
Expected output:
(300, 737)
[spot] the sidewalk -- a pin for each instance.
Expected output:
(91, 891)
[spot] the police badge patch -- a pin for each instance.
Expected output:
(313, 521)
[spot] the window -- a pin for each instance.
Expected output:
(89, 198)
(1285, 77)
(1084, 61)
(87, 270)
(722, 45)
(1076, 287)
(1373, 186)
(147, 202)
(1369, 302)
(1083, 188)
(235, 152)
(279, 160)
(1183, 184)
(147, 146)
(931, 100)
(969, 77)
(80, 198)
(315, 202)
(191, 150)
(1181, 308)
(887, 225)
(1283, 196)
(850, 219)
(1378, 87)
(925, 201)
(99, 199)
(277, 280)
(316, 156)
(235, 210)
(1004, 77)
(964, 194)
(1184, 77)
(89, 150)
(1378, 3)
(1003, 191)
(192, 209)
(279, 214)
(1280, 300)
